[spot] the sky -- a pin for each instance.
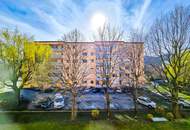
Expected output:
(50, 19)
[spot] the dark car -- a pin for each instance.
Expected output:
(159, 82)
(110, 90)
(97, 90)
(44, 103)
(28, 94)
(49, 90)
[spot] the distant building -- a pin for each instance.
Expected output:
(92, 58)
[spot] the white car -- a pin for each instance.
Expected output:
(146, 101)
(59, 101)
(58, 95)
(118, 91)
(184, 103)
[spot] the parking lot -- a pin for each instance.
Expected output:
(85, 101)
(94, 99)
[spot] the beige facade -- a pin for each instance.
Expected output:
(92, 57)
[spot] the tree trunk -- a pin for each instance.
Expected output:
(107, 103)
(175, 109)
(17, 92)
(73, 109)
(175, 105)
(135, 100)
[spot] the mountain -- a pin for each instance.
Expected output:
(151, 60)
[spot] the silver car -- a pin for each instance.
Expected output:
(146, 101)
(59, 101)
(184, 103)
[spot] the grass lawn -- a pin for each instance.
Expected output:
(97, 125)
(8, 101)
(163, 90)
(61, 121)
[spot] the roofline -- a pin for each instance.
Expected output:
(59, 42)
(137, 42)
(48, 41)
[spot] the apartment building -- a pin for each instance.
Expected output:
(94, 56)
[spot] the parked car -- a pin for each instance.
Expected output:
(87, 90)
(146, 101)
(58, 95)
(119, 91)
(97, 90)
(167, 96)
(49, 90)
(184, 103)
(110, 90)
(158, 82)
(59, 101)
(44, 103)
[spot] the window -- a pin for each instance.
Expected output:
(127, 75)
(98, 56)
(54, 46)
(84, 82)
(106, 56)
(126, 67)
(92, 60)
(92, 82)
(84, 53)
(91, 53)
(91, 68)
(98, 49)
(120, 82)
(84, 61)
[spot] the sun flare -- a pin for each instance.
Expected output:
(97, 21)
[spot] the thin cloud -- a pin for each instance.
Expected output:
(7, 22)
(49, 19)
(140, 14)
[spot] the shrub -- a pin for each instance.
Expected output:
(95, 113)
(3, 103)
(170, 116)
(149, 117)
(160, 110)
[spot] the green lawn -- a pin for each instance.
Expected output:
(97, 125)
(61, 121)
(164, 90)
(8, 101)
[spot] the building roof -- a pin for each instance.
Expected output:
(85, 42)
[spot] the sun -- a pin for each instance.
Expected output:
(97, 21)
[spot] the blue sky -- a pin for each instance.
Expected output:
(49, 19)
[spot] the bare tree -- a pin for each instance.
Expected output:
(136, 55)
(71, 71)
(108, 58)
(169, 39)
